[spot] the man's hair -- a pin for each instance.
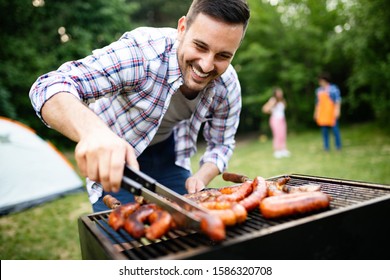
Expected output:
(325, 76)
(230, 11)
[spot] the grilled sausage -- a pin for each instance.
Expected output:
(240, 212)
(226, 215)
(240, 193)
(282, 181)
(117, 217)
(134, 224)
(273, 190)
(230, 213)
(212, 226)
(233, 177)
(277, 187)
(160, 223)
(259, 193)
(222, 209)
(111, 202)
(229, 189)
(293, 204)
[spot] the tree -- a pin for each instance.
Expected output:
(46, 35)
(367, 45)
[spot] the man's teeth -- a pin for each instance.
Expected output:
(200, 74)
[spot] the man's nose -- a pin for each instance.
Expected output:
(207, 63)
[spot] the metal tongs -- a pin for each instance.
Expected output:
(182, 209)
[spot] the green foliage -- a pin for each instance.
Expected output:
(287, 44)
(36, 45)
(367, 43)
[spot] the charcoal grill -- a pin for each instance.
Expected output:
(354, 227)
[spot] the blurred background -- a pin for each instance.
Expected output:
(288, 44)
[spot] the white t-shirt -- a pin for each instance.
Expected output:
(278, 110)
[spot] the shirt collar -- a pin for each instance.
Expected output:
(174, 73)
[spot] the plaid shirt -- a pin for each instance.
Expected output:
(129, 84)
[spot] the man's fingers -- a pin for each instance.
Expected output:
(81, 160)
(131, 158)
(104, 170)
(116, 169)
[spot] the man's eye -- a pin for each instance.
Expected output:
(201, 48)
(224, 56)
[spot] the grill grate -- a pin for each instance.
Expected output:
(182, 244)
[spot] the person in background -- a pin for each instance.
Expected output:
(142, 101)
(327, 110)
(276, 106)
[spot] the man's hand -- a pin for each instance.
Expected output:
(200, 179)
(194, 185)
(100, 154)
(101, 157)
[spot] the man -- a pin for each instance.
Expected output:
(327, 110)
(149, 94)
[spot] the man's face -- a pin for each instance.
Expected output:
(322, 82)
(205, 50)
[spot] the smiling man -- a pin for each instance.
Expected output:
(143, 99)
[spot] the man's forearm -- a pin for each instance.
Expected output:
(207, 172)
(66, 114)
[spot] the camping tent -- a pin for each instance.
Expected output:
(32, 171)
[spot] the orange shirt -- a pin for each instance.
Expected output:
(325, 110)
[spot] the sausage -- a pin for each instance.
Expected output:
(212, 226)
(282, 181)
(234, 178)
(160, 223)
(252, 201)
(134, 224)
(278, 187)
(229, 189)
(117, 217)
(230, 212)
(227, 216)
(111, 202)
(293, 204)
(240, 212)
(273, 190)
(243, 191)
(222, 209)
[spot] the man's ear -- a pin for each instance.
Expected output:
(181, 25)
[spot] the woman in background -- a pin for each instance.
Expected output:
(276, 106)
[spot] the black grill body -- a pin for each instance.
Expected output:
(354, 227)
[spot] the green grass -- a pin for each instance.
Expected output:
(49, 231)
